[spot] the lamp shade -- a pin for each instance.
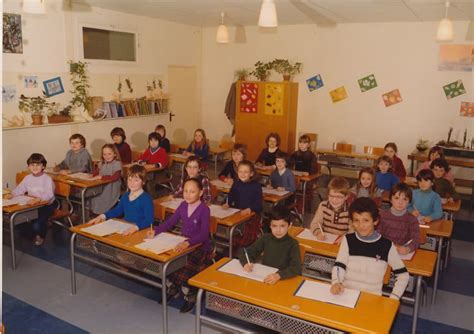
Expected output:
(268, 15)
(445, 31)
(222, 35)
(34, 6)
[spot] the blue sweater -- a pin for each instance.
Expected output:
(286, 180)
(138, 211)
(201, 153)
(428, 203)
(245, 195)
(386, 181)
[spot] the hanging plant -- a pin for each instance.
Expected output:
(80, 83)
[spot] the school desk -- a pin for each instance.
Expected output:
(420, 266)
(277, 308)
(224, 228)
(104, 252)
(452, 161)
(216, 152)
(19, 214)
(346, 160)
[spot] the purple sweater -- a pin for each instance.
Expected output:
(399, 229)
(195, 227)
(39, 186)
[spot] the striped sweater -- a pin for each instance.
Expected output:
(400, 228)
(331, 220)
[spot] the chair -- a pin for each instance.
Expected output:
(214, 192)
(174, 148)
(136, 155)
(63, 191)
(343, 147)
(373, 150)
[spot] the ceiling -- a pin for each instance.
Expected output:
(321, 12)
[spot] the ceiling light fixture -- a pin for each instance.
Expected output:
(34, 6)
(222, 35)
(268, 15)
(445, 28)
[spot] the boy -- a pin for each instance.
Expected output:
(77, 158)
(332, 215)
(384, 178)
(154, 154)
(426, 204)
(364, 255)
(303, 159)
(282, 178)
(442, 185)
(279, 249)
(397, 224)
(118, 137)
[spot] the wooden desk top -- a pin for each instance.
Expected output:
(347, 154)
(79, 183)
(177, 158)
(440, 228)
(15, 208)
(305, 178)
(150, 168)
(422, 263)
(452, 161)
(372, 314)
(276, 198)
(452, 207)
(212, 149)
(128, 242)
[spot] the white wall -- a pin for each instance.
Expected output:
(401, 55)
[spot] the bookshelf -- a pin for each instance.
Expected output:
(135, 107)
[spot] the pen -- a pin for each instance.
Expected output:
(322, 232)
(247, 256)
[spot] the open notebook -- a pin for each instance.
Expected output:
(218, 212)
(321, 292)
(258, 273)
(306, 234)
(84, 176)
(161, 243)
(220, 184)
(172, 203)
(270, 191)
(108, 227)
(20, 200)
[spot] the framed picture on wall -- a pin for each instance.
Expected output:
(53, 86)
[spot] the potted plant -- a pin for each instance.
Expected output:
(242, 74)
(35, 106)
(58, 116)
(80, 91)
(422, 145)
(284, 67)
(261, 71)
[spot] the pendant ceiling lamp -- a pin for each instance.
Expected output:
(445, 28)
(222, 35)
(268, 15)
(34, 6)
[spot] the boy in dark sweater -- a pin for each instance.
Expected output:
(442, 186)
(279, 249)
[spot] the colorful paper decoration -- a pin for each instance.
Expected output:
(274, 99)
(454, 89)
(8, 93)
(248, 97)
(314, 82)
(392, 97)
(456, 57)
(467, 109)
(12, 36)
(338, 94)
(30, 81)
(367, 83)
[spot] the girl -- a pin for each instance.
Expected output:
(110, 168)
(246, 194)
(198, 146)
(435, 153)
(267, 156)
(164, 142)
(192, 169)
(282, 178)
(426, 204)
(194, 216)
(397, 164)
(40, 186)
(229, 173)
(384, 178)
(303, 159)
(125, 153)
(365, 187)
(135, 206)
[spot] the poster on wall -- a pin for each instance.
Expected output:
(8, 93)
(456, 57)
(30, 81)
(392, 97)
(248, 97)
(454, 89)
(367, 83)
(315, 82)
(467, 109)
(12, 36)
(338, 94)
(274, 99)
(53, 86)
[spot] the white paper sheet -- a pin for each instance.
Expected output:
(108, 227)
(258, 273)
(177, 155)
(20, 200)
(306, 234)
(221, 184)
(407, 257)
(173, 203)
(161, 243)
(298, 173)
(219, 212)
(320, 292)
(84, 176)
(274, 192)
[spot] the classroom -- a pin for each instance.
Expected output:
(221, 122)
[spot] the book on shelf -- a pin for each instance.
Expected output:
(135, 107)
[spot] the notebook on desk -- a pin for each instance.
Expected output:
(308, 235)
(271, 191)
(258, 273)
(17, 200)
(173, 203)
(161, 243)
(219, 212)
(108, 227)
(84, 176)
(321, 292)
(221, 184)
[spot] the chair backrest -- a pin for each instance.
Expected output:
(62, 189)
(158, 209)
(20, 176)
(422, 236)
(373, 150)
(214, 192)
(302, 253)
(226, 143)
(174, 148)
(136, 155)
(343, 147)
(386, 277)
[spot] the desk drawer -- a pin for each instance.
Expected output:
(430, 244)
(318, 266)
(263, 317)
(22, 217)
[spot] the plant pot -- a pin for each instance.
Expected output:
(286, 77)
(37, 119)
(421, 148)
(59, 119)
(243, 78)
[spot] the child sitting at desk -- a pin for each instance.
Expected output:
(384, 178)
(434, 153)
(192, 170)
(229, 173)
(194, 215)
(443, 186)
(279, 249)
(426, 203)
(198, 146)
(77, 158)
(332, 215)
(397, 224)
(365, 187)
(282, 178)
(303, 159)
(364, 255)
(118, 137)
(398, 169)
(135, 205)
(157, 157)
(164, 142)
(268, 155)
(40, 186)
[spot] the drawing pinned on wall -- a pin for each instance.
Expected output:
(53, 86)
(367, 83)
(248, 97)
(8, 93)
(12, 35)
(338, 94)
(30, 81)
(467, 109)
(454, 89)
(392, 97)
(314, 82)
(456, 57)
(274, 99)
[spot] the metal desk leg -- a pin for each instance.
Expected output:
(231, 235)
(12, 238)
(416, 307)
(73, 265)
(448, 253)
(164, 301)
(198, 311)
(304, 198)
(83, 204)
(437, 269)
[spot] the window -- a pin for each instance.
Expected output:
(108, 44)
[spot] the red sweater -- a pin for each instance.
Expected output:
(397, 167)
(158, 157)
